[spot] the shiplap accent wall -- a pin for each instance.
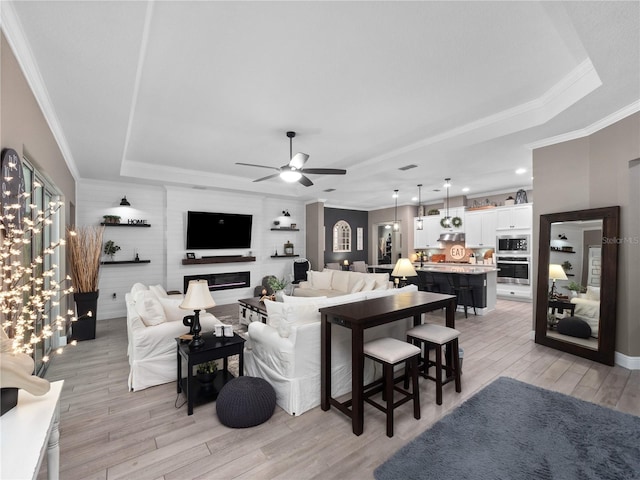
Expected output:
(95, 199)
(164, 243)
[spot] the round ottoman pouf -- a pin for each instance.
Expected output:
(245, 402)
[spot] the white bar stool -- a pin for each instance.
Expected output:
(390, 352)
(438, 336)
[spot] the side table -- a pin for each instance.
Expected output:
(252, 310)
(213, 349)
(561, 305)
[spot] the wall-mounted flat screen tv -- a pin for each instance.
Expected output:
(206, 230)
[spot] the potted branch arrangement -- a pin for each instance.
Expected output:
(84, 246)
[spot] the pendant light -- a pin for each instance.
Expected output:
(419, 223)
(447, 218)
(396, 225)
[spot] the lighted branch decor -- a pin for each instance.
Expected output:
(29, 292)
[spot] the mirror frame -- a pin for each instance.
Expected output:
(610, 217)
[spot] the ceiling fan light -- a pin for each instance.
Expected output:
(290, 176)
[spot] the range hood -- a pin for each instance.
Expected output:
(451, 237)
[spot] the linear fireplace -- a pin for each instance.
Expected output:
(221, 281)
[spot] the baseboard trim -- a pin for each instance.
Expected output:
(632, 363)
(620, 359)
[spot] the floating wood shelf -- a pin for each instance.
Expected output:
(284, 256)
(285, 229)
(125, 224)
(122, 262)
(221, 259)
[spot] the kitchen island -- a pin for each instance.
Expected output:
(481, 278)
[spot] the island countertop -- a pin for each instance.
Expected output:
(461, 268)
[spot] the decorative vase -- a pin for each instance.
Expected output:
(8, 399)
(206, 381)
(280, 296)
(84, 328)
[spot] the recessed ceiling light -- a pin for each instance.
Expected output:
(520, 171)
(465, 189)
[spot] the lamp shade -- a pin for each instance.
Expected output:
(198, 296)
(404, 269)
(556, 272)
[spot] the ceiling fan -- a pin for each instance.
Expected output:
(293, 171)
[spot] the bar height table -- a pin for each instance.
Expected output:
(359, 316)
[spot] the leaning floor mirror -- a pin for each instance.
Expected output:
(577, 282)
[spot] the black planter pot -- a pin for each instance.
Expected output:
(85, 327)
(8, 398)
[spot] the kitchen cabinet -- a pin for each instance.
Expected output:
(428, 236)
(480, 228)
(512, 218)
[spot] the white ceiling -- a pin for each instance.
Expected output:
(176, 92)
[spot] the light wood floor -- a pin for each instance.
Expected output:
(108, 432)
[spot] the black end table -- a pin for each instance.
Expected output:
(213, 349)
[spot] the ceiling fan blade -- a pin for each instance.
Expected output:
(254, 165)
(298, 160)
(267, 177)
(305, 181)
(324, 171)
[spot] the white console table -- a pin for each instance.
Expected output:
(28, 431)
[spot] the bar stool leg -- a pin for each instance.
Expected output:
(439, 374)
(416, 391)
(456, 364)
(388, 387)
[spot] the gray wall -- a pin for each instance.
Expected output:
(314, 220)
(356, 219)
(599, 171)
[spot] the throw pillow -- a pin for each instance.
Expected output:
(340, 281)
(138, 287)
(369, 284)
(593, 293)
(574, 327)
(358, 285)
(172, 310)
(321, 280)
(159, 290)
(149, 308)
(275, 312)
(382, 280)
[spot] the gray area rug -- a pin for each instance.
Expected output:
(512, 430)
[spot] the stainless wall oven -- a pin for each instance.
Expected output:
(514, 269)
(507, 244)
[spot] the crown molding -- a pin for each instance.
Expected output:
(624, 112)
(14, 34)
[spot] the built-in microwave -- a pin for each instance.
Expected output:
(513, 244)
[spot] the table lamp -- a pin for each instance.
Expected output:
(556, 272)
(198, 298)
(404, 268)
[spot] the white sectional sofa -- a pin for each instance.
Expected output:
(587, 307)
(154, 320)
(286, 350)
(333, 283)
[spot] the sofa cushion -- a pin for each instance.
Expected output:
(149, 308)
(303, 300)
(159, 290)
(369, 284)
(340, 281)
(321, 280)
(172, 310)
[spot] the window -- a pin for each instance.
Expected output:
(341, 237)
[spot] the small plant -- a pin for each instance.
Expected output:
(566, 266)
(576, 287)
(110, 248)
(111, 218)
(277, 285)
(433, 211)
(207, 367)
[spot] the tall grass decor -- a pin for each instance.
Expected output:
(84, 247)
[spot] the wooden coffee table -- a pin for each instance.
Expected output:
(252, 310)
